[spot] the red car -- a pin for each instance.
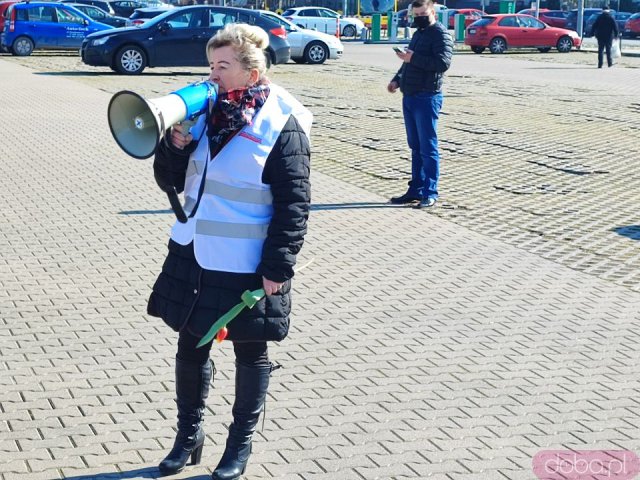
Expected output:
(499, 33)
(470, 16)
(3, 9)
(553, 18)
(632, 27)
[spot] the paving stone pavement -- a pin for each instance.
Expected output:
(422, 345)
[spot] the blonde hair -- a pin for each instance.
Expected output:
(248, 41)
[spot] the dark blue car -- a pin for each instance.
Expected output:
(572, 18)
(46, 25)
(177, 37)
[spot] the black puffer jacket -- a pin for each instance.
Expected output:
(605, 27)
(432, 51)
(188, 296)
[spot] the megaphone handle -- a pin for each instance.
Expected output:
(176, 206)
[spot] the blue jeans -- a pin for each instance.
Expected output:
(421, 113)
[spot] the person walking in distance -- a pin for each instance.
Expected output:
(420, 79)
(244, 169)
(605, 29)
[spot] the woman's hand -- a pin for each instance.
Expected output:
(178, 138)
(270, 287)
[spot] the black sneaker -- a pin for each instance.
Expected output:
(425, 203)
(404, 199)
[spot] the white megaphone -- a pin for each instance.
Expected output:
(138, 125)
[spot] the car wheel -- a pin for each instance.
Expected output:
(316, 53)
(267, 59)
(130, 60)
(349, 31)
(544, 49)
(477, 49)
(498, 45)
(22, 46)
(564, 44)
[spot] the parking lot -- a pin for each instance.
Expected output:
(526, 139)
(451, 344)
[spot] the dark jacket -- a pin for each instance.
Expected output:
(605, 27)
(188, 296)
(432, 51)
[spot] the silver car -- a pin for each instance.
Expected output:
(308, 46)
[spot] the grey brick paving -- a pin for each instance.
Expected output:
(453, 345)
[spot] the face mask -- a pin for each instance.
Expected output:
(420, 22)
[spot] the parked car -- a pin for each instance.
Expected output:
(403, 18)
(161, 4)
(632, 26)
(45, 25)
(177, 37)
(142, 15)
(620, 18)
(3, 8)
(324, 20)
(101, 4)
(499, 33)
(553, 18)
(470, 16)
(100, 15)
(125, 8)
(572, 18)
(308, 46)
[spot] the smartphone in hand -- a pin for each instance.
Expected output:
(398, 50)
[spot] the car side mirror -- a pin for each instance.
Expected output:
(85, 22)
(164, 27)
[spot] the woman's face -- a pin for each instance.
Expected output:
(228, 72)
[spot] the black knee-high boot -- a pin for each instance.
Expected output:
(251, 390)
(192, 389)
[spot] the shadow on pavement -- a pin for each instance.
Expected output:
(320, 206)
(630, 231)
(150, 472)
(340, 206)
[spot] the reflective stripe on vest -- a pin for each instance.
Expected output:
(248, 195)
(231, 230)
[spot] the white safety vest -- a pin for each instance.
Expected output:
(230, 224)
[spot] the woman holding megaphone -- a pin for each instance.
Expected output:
(244, 170)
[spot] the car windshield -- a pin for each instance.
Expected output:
(288, 12)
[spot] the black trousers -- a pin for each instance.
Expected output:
(250, 354)
(604, 45)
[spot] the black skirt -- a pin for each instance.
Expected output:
(187, 296)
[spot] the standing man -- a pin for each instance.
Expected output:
(605, 30)
(420, 80)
